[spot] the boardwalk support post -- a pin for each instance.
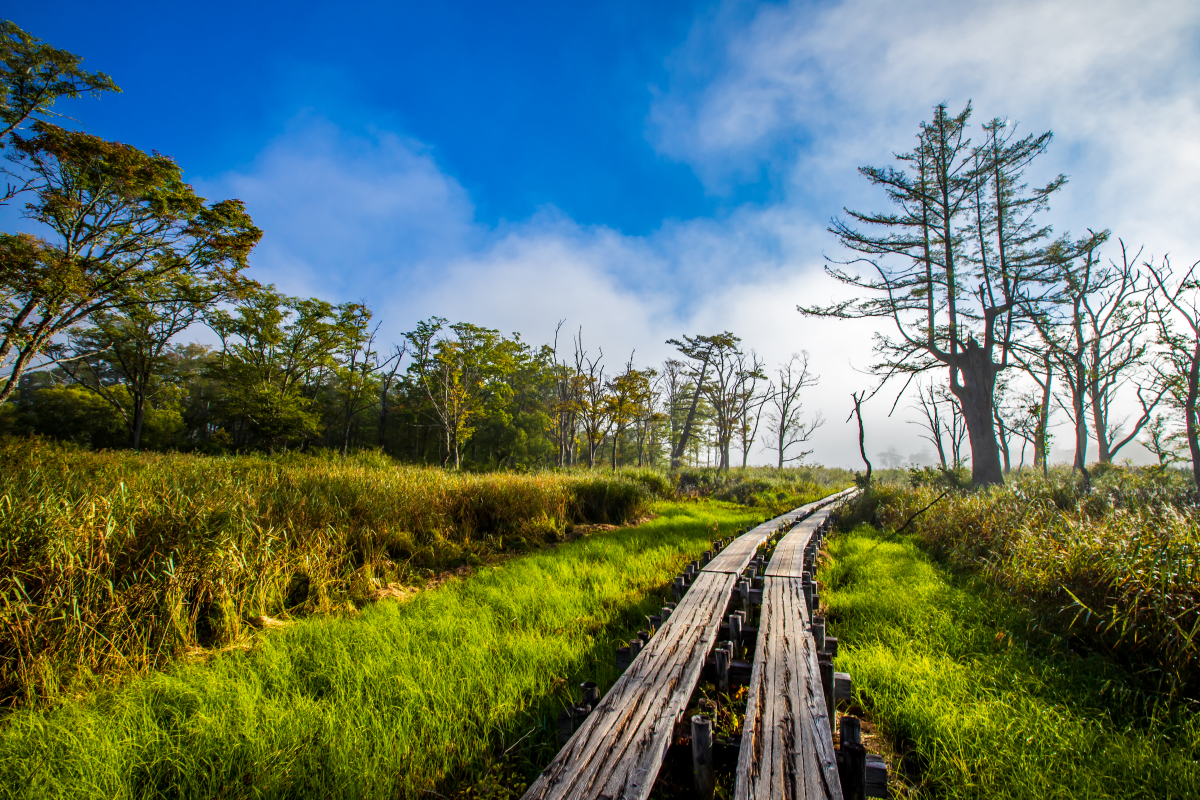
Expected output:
(566, 726)
(826, 667)
(722, 656)
(702, 762)
(854, 761)
(590, 694)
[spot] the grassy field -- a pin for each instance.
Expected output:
(942, 666)
(453, 692)
(120, 562)
(1112, 568)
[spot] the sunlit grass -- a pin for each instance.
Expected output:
(1114, 567)
(117, 562)
(398, 701)
(942, 667)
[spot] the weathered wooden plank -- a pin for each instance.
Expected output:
(788, 559)
(784, 746)
(737, 555)
(786, 751)
(617, 752)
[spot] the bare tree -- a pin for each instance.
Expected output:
(954, 266)
(1116, 317)
(748, 412)
(1177, 316)
(858, 398)
(568, 383)
(931, 413)
(944, 424)
(786, 422)
(593, 403)
(387, 380)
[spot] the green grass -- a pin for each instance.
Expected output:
(117, 562)
(978, 713)
(400, 700)
(1111, 567)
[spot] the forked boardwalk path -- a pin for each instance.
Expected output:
(617, 752)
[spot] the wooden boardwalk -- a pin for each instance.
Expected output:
(788, 561)
(617, 752)
(787, 749)
(735, 557)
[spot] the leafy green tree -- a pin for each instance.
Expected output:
(275, 353)
(126, 229)
(126, 355)
(33, 75)
(627, 399)
(461, 369)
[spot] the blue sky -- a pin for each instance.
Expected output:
(525, 105)
(641, 170)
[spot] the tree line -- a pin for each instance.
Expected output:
(130, 260)
(968, 282)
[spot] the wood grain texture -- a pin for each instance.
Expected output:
(787, 751)
(617, 752)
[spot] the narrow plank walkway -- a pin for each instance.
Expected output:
(617, 753)
(737, 555)
(788, 560)
(787, 750)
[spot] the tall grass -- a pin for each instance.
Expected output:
(119, 562)
(941, 666)
(771, 490)
(1114, 567)
(453, 693)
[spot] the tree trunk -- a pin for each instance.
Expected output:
(976, 395)
(1193, 424)
(139, 416)
(1078, 411)
(1002, 432)
(687, 425)
(1041, 447)
(1103, 445)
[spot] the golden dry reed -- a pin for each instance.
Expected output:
(119, 562)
